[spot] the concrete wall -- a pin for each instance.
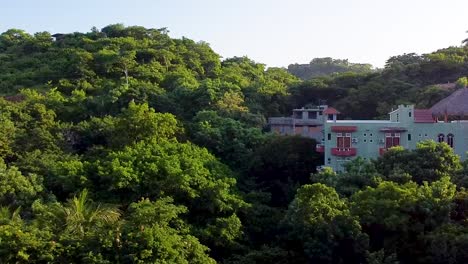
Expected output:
(304, 122)
(369, 138)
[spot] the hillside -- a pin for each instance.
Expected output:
(125, 145)
(326, 66)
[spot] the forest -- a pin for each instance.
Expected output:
(124, 145)
(326, 66)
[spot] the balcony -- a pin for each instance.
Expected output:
(382, 151)
(320, 148)
(343, 152)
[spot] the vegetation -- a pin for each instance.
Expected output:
(326, 66)
(123, 145)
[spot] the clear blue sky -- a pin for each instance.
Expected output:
(274, 32)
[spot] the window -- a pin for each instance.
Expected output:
(370, 135)
(397, 117)
(365, 134)
(392, 139)
(409, 137)
(441, 138)
(343, 140)
(409, 113)
(365, 140)
(329, 136)
(450, 140)
(370, 140)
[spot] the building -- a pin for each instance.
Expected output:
(307, 122)
(446, 121)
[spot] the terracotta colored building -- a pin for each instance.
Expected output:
(307, 122)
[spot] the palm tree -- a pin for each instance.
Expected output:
(80, 214)
(466, 40)
(6, 215)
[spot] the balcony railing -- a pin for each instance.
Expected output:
(320, 148)
(343, 152)
(382, 151)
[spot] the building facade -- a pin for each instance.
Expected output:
(406, 126)
(343, 140)
(307, 122)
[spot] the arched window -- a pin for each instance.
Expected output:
(441, 138)
(450, 140)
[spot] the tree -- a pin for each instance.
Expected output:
(189, 174)
(462, 82)
(430, 161)
(231, 140)
(16, 189)
(85, 231)
(397, 216)
(322, 230)
(282, 164)
(155, 234)
(326, 66)
(358, 174)
(80, 214)
(7, 134)
(139, 122)
(21, 242)
(447, 244)
(173, 137)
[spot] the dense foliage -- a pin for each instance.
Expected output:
(327, 66)
(124, 145)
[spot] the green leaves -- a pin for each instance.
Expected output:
(80, 213)
(153, 233)
(229, 139)
(16, 189)
(7, 134)
(429, 162)
(315, 204)
(181, 170)
(23, 243)
(118, 112)
(325, 231)
(397, 217)
(282, 164)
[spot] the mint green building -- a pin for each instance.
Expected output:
(444, 122)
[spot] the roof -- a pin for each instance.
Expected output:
(343, 128)
(393, 129)
(330, 111)
(454, 104)
(361, 122)
(423, 116)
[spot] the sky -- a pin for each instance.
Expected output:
(274, 32)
